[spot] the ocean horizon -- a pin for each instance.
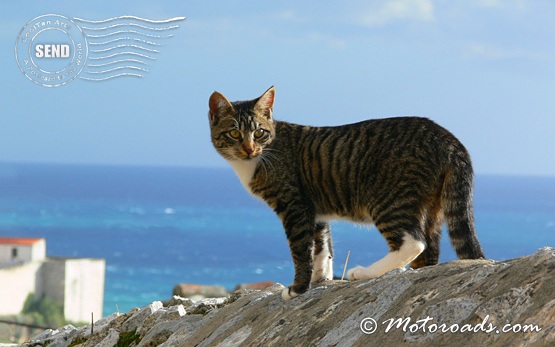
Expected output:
(160, 226)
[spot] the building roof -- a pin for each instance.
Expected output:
(19, 241)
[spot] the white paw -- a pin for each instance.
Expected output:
(364, 273)
(360, 273)
(288, 293)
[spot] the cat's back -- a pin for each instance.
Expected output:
(395, 136)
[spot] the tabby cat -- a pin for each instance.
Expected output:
(404, 175)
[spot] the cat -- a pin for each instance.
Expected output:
(405, 175)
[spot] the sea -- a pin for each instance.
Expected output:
(160, 226)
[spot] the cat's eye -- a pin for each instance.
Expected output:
(235, 134)
(259, 133)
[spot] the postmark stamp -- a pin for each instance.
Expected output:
(51, 50)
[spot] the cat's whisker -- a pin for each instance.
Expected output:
(266, 163)
(266, 158)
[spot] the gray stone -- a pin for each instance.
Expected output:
(463, 302)
(184, 329)
(159, 334)
(110, 340)
(138, 318)
(55, 337)
(237, 338)
(178, 300)
(162, 315)
(99, 324)
(206, 305)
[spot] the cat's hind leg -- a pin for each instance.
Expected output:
(430, 256)
(400, 255)
(323, 254)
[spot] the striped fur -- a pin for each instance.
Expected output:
(406, 175)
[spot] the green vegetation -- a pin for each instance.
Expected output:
(38, 313)
(43, 312)
(126, 339)
(78, 341)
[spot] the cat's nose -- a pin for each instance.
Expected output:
(249, 150)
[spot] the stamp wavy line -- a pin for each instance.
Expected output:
(132, 25)
(125, 39)
(119, 61)
(124, 46)
(123, 53)
(124, 43)
(126, 74)
(130, 32)
(130, 17)
(116, 69)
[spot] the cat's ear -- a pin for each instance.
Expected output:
(266, 102)
(218, 105)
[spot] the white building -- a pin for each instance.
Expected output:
(77, 283)
(18, 250)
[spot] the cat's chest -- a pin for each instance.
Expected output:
(244, 169)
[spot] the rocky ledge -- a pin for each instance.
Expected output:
(460, 303)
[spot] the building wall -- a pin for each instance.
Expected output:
(5, 253)
(84, 289)
(16, 283)
(38, 250)
(53, 279)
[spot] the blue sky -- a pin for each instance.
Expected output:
(483, 69)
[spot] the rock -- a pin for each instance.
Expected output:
(56, 337)
(100, 324)
(111, 339)
(207, 305)
(177, 331)
(177, 300)
(138, 318)
(463, 302)
(163, 315)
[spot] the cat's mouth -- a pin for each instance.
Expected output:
(249, 156)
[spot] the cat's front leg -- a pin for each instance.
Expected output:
(299, 228)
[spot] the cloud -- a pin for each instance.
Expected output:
(398, 10)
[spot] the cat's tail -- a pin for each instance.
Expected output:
(458, 208)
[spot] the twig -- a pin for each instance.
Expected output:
(345, 267)
(92, 323)
(34, 326)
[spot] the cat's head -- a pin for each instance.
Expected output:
(240, 130)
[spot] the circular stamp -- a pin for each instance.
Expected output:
(51, 50)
